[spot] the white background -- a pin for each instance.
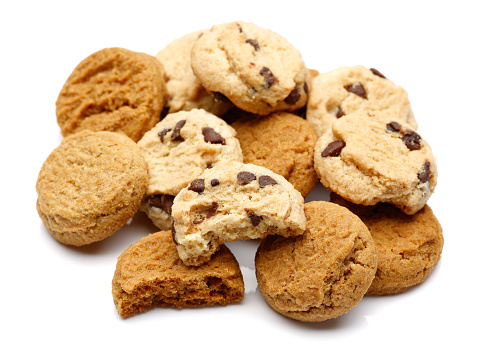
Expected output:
(56, 302)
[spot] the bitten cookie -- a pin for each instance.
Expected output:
(178, 149)
(282, 142)
(368, 157)
(408, 247)
(233, 201)
(348, 89)
(115, 90)
(321, 274)
(254, 68)
(90, 186)
(185, 92)
(149, 274)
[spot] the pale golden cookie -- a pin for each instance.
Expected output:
(348, 89)
(185, 92)
(282, 142)
(90, 186)
(114, 89)
(408, 247)
(254, 68)
(368, 157)
(321, 274)
(233, 201)
(150, 274)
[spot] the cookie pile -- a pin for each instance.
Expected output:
(221, 137)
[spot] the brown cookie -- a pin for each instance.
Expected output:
(321, 274)
(282, 142)
(408, 247)
(113, 89)
(90, 186)
(150, 274)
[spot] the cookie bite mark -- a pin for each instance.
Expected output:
(357, 89)
(197, 186)
(176, 135)
(211, 136)
(269, 77)
(255, 219)
(333, 149)
(244, 178)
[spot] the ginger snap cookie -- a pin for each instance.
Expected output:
(254, 68)
(90, 186)
(149, 274)
(408, 247)
(321, 274)
(113, 89)
(185, 91)
(178, 149)
(233, 201)
(367, 157)
(348, 89)
(282, 142)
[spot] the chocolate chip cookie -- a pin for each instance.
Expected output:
(254, 68)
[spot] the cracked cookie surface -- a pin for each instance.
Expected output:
(233, 201)
(321, 274)
(254, 68)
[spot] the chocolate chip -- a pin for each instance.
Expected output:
(212, 210)
(155, 201)
(214, 182)
(255, 219)
(173, 233)
(339, 113)
(254, 43)
(394, 127)
(197, 185)
(293, 97)
(245, 177)
(268, 77)
(377, 73)
(168, 203)
(177, 129)
(211, 136)
(265, 180)
(412, 140)
(162, 133)
(221, 98)
(424, 176)
(333, 149)
(198, 221)
(357, 89)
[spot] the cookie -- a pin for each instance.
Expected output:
(254, 68)
(282, 142)
(348, 89)
(408, 247)
(233, 201)
(114, 89)
(185, 92)
(321, 274)
(368, 157)
(90, 186)
(149, 274)
(178, 149)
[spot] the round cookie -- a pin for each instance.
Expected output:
(233, 201)
(149, 274)
(367, 157)
(114, 89)
(321, 274)
(185, 92)
(178, 149)
(282, 142)
(90, 186)
(349, 89)
(254, 68)
(408, 247)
